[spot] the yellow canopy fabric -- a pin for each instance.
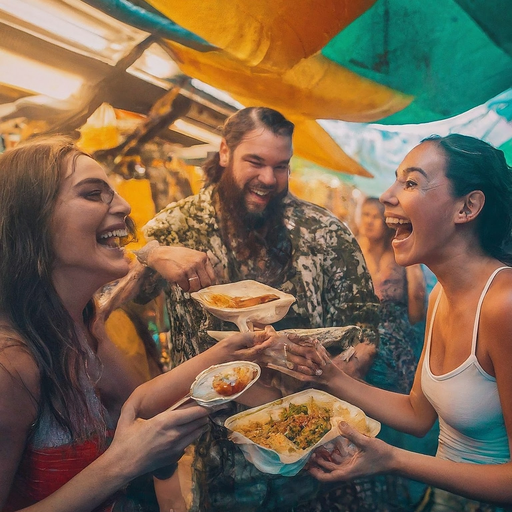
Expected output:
(271, 34)
(314, 89)
(269, 55)
(313, 143)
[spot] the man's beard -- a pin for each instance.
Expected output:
(253, 235)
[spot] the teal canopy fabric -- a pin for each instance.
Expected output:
(450, 55)
(446, 56)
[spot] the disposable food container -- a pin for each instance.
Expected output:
(203, 392)
(244, 317)
(289, 460)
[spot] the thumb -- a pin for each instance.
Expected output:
(128, 415)
(269, 330)
(353, 435)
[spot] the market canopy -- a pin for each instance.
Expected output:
(386, 61)
(332, 66)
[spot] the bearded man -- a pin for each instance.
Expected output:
(252, 228)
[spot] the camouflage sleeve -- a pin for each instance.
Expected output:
(177, 224)
(182, 224)
(348, 297)
(189, 323)
(161, 229)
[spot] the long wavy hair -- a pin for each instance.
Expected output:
(473, 164)
(30, 179)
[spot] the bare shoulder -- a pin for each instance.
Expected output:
(497, 305)
(19, 395)
(19, 374)
(496, 319)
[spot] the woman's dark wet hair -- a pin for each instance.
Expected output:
(473, 164)
(238, 125)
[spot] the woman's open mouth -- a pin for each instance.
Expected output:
(403, 227)
(112, 239)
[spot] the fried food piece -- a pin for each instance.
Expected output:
(301, 424)
(220, 300)
(233, 381)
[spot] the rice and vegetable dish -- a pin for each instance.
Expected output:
(304, 425)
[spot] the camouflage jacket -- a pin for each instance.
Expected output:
(328, 275)
(329, 279)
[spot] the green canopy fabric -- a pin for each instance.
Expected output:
(450, 55)
(393, 62)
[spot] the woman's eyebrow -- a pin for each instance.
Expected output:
(410, 170)
(93, 181)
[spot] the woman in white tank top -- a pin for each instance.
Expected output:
(451, 206)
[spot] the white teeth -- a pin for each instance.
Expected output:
(394, 220)
(261, 193)
(117, 233)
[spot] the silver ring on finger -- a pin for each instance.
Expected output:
(193, 278)
(289, 364)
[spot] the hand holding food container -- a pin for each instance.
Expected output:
(221, 383)
(279, 437)
(245, 303)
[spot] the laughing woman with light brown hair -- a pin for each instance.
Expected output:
(74, 431)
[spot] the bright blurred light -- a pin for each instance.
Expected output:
(156, 66)
(50, 20)
(35, 77)
(73, 25)
(197, 132)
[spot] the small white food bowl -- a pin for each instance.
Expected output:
(288, 459)
(244, 317)
(203, 392)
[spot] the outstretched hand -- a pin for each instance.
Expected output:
(355, 362)
(290, 353)
(351, 456)
(277, 351)
(246, 346)
(190, 269)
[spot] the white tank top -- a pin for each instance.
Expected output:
(471, 426)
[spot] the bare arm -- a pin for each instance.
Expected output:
(19, 392)
(139, 446)
(163, 391)
(411, 413)
(487, 482)
(416, 293)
